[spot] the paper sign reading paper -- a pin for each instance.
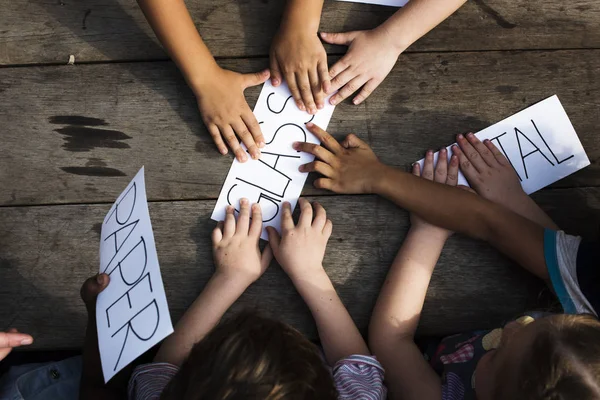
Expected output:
(539, 142)
(132, 312)
(391, 3)
(274, 178)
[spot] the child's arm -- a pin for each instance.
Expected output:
(220, 93)
(239, 263)
(300, 250)
(400, 302)
(373, 53)
(352, 167)
(298, 56)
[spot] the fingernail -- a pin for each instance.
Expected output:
(301, 168)
(454, 147)
(470, 135)
(355, 101)
(308, 125)
(244, 201)
(460, 136)
(320, 106)
(275, 82)
(26, 341)
(486, 141)
(261, 144)
(429, 152)
(443, 150)
(223, 151)
(333, 101)
(99, 279)
(301, 106)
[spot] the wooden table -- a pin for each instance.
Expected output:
(72, 136)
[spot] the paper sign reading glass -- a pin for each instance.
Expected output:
(539, 142)
(132, 312)
(274, 178)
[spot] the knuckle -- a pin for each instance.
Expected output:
(473, 155)
(452, 177)
(465, 164)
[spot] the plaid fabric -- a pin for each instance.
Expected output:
(462, 355)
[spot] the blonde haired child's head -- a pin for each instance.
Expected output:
(551, 358)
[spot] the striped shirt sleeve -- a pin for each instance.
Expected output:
(359, 377)
(149, 380)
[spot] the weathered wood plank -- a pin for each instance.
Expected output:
(48, 31)
(77, 134)
(47, 252)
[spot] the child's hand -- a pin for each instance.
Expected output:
(349, 167)
(443, 172)
(300, 249)
(235, 246)
(90, 290)
(298, 56)
(371, 56)
(11, 339)
(487, 170)
(226, 114)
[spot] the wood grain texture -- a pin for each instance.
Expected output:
(48, 251)
(48, 31)
(78, 134)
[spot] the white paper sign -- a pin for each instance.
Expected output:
(274, 178)
(539, 142)
(132, 312)
(391, 3)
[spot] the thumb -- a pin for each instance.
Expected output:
(343, 38)
(14, 339)
(274, 239)
(353, 141)
(92, 287)
(266, 257)
(256, 78)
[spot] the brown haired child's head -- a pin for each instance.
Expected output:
(552, 358)
(252, 357)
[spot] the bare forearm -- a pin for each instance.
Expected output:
(461, 211)
(398, 308)
(417, 18)
(302, 13)
(203, 315)
(339, 336)
(175, 29)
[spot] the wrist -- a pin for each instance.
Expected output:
(313, 273)
(377, 179)
(203, 76)
(396, 42)
(237, 282)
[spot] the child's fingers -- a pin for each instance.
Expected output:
(428, 166)
(366, 91)
(324, 183)
(352, 86)
(338, 81)
(306, 213)
(485, 154)
(256, 223)
(316, 150)
(319, 167)
(291, 82)
(11, 339)
(441, 167)
(287, 223)
(320, 217)
(342, 38)
(304, 85)
(217, 233)
(274, 239)
(216, 136)
(276, 77)
(328, 228)
(233, 143)
(328, 141)
(316, 87)
(452, 175)
(243, 222)
(352, 142)
(250, 120)
(324, 75)
(497, 153)
(229, 223)
(464, 164)
(416, 169)
(92, 287)
(256, 78)
(266, 257)
(471, 154)
(244, 134)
